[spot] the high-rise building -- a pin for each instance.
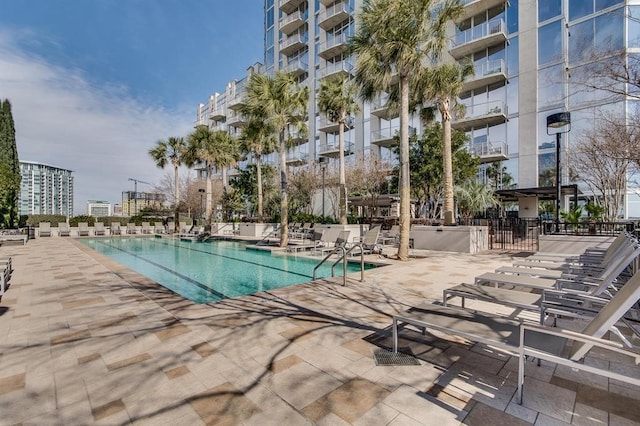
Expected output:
(528, 58)
(98, 208)
(135, 202)
(45, 189)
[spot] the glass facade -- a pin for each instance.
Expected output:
(45, 190)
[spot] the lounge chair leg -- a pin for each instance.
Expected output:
(395, 336)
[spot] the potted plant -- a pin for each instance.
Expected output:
(573, 217)
(595, 212)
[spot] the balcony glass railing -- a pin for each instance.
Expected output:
(481, 110)
(294, 39)
(389, 133)
(297, 15)
(494, 26)
(296, 65)
(336, 67)
(489, 148)
(333, 147)
(334, 41)
(489, 68)
(335, 10)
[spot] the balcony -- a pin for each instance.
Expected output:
(297, 158)
(334, 46)
(490, 72)
(238, 100)
(474, 7)
(236, 119)
(334, 15)
(385, 138)
(481, 115)
(288, 6)
(489, 152)
(217, 114)
(333, 150)
(292, 22)
(296, 67)
(380, 109)
(293, 43)
(478, 38)
(327, 3)
(336, 69)
(200, 122)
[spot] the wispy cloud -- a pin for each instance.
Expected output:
(64, 119)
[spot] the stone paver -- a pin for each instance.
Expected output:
(84, 340)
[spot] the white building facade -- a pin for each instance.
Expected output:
(98, 208)
(527, 56)
(45, 189)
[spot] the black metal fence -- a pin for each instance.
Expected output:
(522, 234)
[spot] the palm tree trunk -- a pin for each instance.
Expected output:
(176, 191)
(259, 185)
(447, 166)
(209, 206)
(404, 186)
(343, 179)
(284, 201)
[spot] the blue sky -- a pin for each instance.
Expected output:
(95, 83)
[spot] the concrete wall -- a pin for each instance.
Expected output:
(461, 239)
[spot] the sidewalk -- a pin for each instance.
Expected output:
(84, 340)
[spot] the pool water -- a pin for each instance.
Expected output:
(212, 271)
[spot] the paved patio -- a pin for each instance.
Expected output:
(84, 340)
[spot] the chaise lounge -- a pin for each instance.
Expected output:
(83, 229)
(522, 340)
(44, 229)
(63, 229)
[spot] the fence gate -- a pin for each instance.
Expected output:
(514, 234)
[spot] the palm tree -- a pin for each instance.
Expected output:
(201, 137)
(174, 151)
(336, 100)
(442, 85)
(215, 149)
(283, 107)
(257, 138)
(394, 39)
(474, 197)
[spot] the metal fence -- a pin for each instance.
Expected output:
(522, 234)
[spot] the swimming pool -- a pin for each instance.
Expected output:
(212, 271)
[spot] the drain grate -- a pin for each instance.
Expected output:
(385, 357)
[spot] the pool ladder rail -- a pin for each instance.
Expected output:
(343, 257)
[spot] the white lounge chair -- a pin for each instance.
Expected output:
(145, 228)
(341, 241)
(171, 227)
(63, 229)
(98, 229)
(158, 228)
(44, 229)
(83, 229)
(131, 228)
(115, 228)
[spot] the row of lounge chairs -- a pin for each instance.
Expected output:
(83, 230)
(599, 287)
(6, 270)
(320, 244)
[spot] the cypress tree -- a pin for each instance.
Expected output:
(9, 168)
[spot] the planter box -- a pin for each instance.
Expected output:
(254, 229)
(461, 239)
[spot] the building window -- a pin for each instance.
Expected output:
(512, 17)
(550, 43)
(549, 9)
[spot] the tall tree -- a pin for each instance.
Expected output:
(393, 40)
(9, 167)
(284, 106)
(212, 149)
(442, 85)
(171, 151)
(336, 100)
(258, 139)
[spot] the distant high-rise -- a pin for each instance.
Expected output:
(45, 189)
(98, 208)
